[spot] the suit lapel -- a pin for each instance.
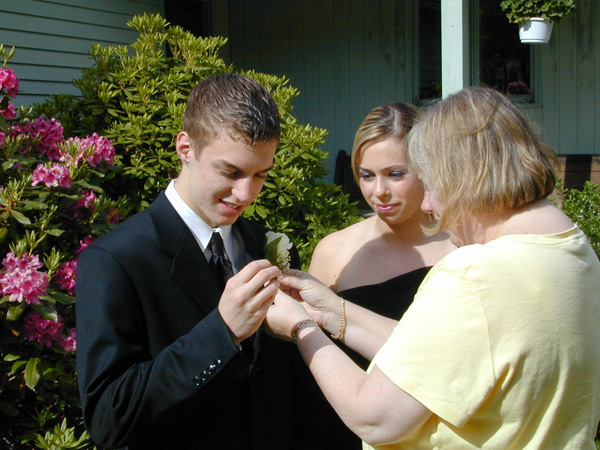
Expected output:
(189, 269)
(253, 236)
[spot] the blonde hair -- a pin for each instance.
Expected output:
(475, 152)
(392, 120)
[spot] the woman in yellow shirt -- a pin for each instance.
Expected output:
(501, 346)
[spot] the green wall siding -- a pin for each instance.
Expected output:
(347, 56)
(53, 39)
(569, 69)
(344, 57)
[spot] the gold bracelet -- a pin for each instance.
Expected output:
(340, 334)
(299, 327)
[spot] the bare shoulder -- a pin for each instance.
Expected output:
(335, 250)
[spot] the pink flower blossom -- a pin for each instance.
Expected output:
(113, 216)
(65, 276)
(69, 343)
(21, 280)
(9, 81)
(98, 149)
(2, 139)
(49, 133)
(87, 200)
(55, 175)
(44, 331)
(84, 243)
(10, 112)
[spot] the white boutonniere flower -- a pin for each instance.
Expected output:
(277, 250)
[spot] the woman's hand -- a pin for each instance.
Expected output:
(322, 304)
(283, 316)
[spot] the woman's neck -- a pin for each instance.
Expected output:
(538, 217)
(408, 232)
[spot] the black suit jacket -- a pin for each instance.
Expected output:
(157, 365)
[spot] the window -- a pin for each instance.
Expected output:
(430, 50)
(504, 62)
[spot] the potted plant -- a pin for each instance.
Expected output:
(536, 17)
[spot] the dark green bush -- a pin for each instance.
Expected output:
(135, 95)
(583, 208)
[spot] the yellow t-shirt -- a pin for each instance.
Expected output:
(502, 344)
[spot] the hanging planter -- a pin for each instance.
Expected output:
(536, 30)
(536, 16)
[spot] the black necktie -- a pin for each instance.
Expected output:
(219, 262)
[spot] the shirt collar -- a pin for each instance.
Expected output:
(199, 228)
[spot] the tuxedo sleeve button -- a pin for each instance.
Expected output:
(197, 380)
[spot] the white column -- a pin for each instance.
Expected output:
(455, 45)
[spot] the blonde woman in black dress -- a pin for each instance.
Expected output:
(380, 262)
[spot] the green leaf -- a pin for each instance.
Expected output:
(11, 357)
(46, 312)
(21, 217)
(31, 204)
(14, 312)
(63, 299)
(55, 232)
(7, 164)
(17, 365)
(32, 373)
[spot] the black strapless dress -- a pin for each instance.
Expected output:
(390, 299)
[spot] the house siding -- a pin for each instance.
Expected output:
(344, 57)
(347, 56)
(53, 39)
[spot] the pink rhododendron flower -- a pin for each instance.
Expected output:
(49, 133)
(69, 343)
(113, 216)
(10, 112)
(2, 139)
(98, 149)
(84, 243)
(21, 280)
(87, 200)
(44, 331)
(9, 82)
(65, 276)
(55, 175)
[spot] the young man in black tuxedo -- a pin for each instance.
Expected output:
(167, 357)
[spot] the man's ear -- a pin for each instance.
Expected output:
(184, 147)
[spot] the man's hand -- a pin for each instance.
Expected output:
(247, 297)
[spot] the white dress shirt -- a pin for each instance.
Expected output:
(234, 245)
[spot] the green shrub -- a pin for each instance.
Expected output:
(51, 206)
(135, 95)
(583, 208)
(522, 10)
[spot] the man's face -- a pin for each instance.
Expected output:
(224, 179)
